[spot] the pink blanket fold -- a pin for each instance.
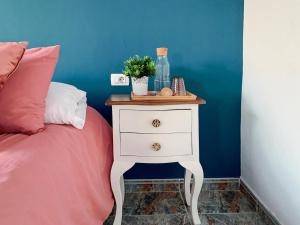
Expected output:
(57, 177)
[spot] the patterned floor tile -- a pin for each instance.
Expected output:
(224, 202)
(209, 202)
(220, 203)
(265, 219)
(221, 185)
(230, 219)
(235, 201)
(153, 203)
(151, 187)
(175, 219)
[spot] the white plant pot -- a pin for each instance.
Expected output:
(140, 85)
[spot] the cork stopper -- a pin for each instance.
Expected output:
(162, 51)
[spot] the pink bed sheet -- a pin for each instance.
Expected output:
(57, 177)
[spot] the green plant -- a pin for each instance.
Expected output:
(139, 67)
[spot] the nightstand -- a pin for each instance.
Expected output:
(156, 132)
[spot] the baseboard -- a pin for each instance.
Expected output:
(180, 180)
(262, 208)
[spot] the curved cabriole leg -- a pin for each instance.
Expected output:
(187, 186)
(117, 185)
(195, 168)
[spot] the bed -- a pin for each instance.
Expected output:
(59, 176)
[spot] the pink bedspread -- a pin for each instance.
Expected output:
(57, 177)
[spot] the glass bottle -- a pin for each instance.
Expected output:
(162, 73)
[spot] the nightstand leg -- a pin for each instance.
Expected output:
(187, 186)
(195, 168)
(117, 185)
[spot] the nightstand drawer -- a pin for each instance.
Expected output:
(156, 145)
(155, 121)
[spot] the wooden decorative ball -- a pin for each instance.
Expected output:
(166, 92)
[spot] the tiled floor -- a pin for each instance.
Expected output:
(220, 203)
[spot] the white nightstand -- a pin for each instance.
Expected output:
(155, 132)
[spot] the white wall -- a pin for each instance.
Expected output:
(271, 105)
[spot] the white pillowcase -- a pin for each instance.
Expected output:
(65, 104)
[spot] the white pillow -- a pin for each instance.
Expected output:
(65, 104)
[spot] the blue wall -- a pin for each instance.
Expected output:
(204, 38)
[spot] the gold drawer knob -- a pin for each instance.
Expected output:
(156, 123)
(156, 147)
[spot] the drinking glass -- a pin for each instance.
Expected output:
(178, 86)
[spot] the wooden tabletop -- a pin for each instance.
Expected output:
(126, 100)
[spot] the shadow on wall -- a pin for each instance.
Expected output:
(220, 117)
(214, 122)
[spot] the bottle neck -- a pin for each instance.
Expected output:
(162, 56)
(162, 59)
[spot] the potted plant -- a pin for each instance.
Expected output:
(139, 69)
